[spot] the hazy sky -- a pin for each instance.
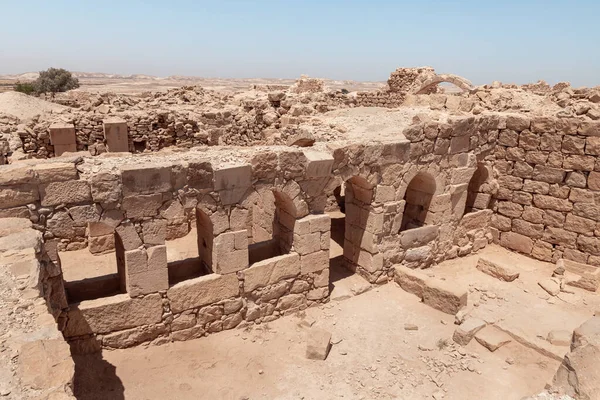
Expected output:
(508, 40)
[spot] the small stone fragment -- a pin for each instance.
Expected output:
(491, 338)
(560, 337)
(465, 332)
(318, 344)
(551, 286)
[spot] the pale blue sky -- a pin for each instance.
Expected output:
(510, 40)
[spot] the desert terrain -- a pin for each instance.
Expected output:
(180, 237)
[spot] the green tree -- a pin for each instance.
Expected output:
(55, 80)
(26, 87)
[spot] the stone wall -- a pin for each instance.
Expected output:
(548, 175)
(263, 237)
(35, 360)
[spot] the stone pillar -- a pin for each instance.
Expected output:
(230, 252)
(62, 137)
(142, 261)
(311, 241)
(115, 134)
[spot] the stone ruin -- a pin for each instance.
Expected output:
(437, 190)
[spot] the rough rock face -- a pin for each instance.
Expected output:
(409, 80)
(579, 374)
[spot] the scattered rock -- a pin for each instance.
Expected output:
(560, 337)
(497, 269)
(492, 338)
(318, 344)
(579, 374)
(551, 286)
(465, 332)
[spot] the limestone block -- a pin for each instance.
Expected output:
(154, 232)
(106, 188)
(136, 262)
(148, 282)
(321, 279)
(476, 220)
(578, 375)
(307, 243)
(145, 179)
(517, 242)
(318, 344)
(314, 262)
(62, 134)
(491, 338)
(16, 174)
(82, 215)
(444, 296)
(497, 269)
(232, 176)
(585, 276)
(142, 205)
(227, 257)
(134, 336)
(60, 149)
(233, 196)
(418, 236)
(13, 196)
(318, 164)
(461, 175)
(264, 164)
(69, 192)
(202, 291)
(114, 313)
(370, 262)
(115, 134)
(101, 244)
(128, 236)
(53, 172)
(459, 144)
(200, 174)
(465, 332)
(550, 285)
(411, 280)
(271, 271)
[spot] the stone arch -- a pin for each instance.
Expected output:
(418, 196)
(438, 176)
(478, 191)
(456, 80)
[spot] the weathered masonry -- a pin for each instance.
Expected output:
(262, 231)
(442, 189)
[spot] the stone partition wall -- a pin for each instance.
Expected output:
(547, 202)
(133, 205)
(32, 283)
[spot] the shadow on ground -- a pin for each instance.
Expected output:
(96, 379)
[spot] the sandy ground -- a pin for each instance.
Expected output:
(104, 83)
(373, 356)
(24, 107)
(375, 123)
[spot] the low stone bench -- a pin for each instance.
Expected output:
(441, 295)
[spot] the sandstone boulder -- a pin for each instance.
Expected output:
(579, 374)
